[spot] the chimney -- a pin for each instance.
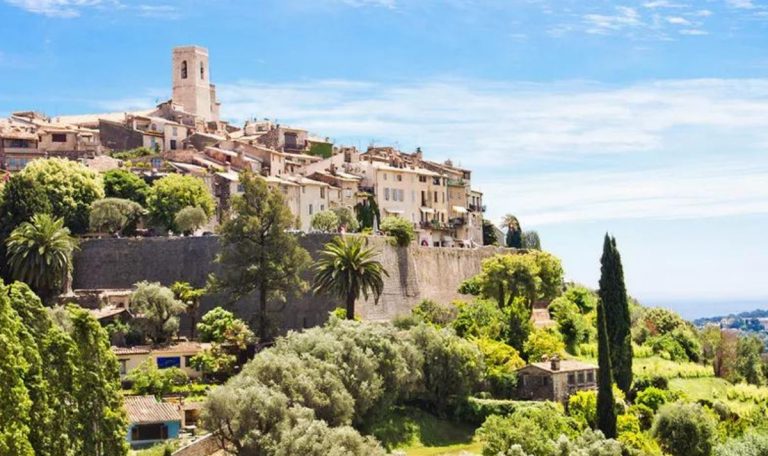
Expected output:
(555, 363)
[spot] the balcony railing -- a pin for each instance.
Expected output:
(476, 208)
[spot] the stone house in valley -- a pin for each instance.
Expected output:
(555, 379)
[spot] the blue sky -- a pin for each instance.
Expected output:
(645, 118)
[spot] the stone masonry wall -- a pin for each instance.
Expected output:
(415, 273)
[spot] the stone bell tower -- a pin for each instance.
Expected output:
(192, 86)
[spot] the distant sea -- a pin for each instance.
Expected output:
(691, 309)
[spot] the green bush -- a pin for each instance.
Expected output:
(133, 153)
(433, 313)
(752, 444)
(399, 228)
(543, 342)
(482, 318)
(115, 215)
(685, 430)
(654, 398)
(533, 429)
(453, 367)
(325, 221)
(148, 379)
(502, 362)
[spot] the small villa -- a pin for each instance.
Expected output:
(555, 379)
(150, 421)
(176, 355)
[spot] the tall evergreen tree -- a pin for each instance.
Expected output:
(258, 255)
(613, 295)
(606, 414)
(100, 416)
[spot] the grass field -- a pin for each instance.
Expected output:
(656, 365)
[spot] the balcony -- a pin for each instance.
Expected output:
(457, 222)
(434, 225)
(457, 182)
(476, 208)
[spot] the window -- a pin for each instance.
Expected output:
(423, 179)
(385, 176)
(591, 377)
(402, 195)
(581, 377)
(184, 69)
(59, 137)
(173, 144)
(322, 192)
(164, 362)
(435, 181)
(188, 362)
(175, 131)
(571, 379)
(435, 196)
(386, 194)
(348, 193)
(202, 71)
(399, 177)
(123, 369)
(310, 209)
(303, 189)
(322, 207)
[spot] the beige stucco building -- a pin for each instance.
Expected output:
(177, 355)
(192, 86)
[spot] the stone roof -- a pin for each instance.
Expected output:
(147, 410)
(566, 365)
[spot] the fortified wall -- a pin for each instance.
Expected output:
(415, 273)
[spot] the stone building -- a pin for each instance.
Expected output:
(555, 379)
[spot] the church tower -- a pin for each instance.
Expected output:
(192, 86)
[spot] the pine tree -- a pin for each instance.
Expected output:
(606, 414)
(613, 295)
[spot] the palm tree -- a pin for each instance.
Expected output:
(347, 269)
(191, 297)
(40, 254)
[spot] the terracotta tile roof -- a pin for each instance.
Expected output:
(138, 350)
(147, 410)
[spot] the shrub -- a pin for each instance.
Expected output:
(502, 362)
(582, 406)
(533, 429)
(685, 430)
(752, 444)
(138, 152)
(543, 342)
(119, 183)
(431, 312)
(190, 219)
(644, 415)
(148, 379)
(399, 228)
(482, 318)
(325, 221)
(653, 398)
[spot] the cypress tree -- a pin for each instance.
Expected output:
(606, 414)
(613, 295)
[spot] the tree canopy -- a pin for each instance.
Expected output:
(174, 192)
(119, 183)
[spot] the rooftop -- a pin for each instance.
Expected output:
(147, 410)
(566, 365)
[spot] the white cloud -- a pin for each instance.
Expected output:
(677, 20)
(624, 17)
(744, 4)
(663, 4)
(694, 190)
(54, 8)
(692, 126)
(693, 32)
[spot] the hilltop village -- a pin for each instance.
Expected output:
(176, 285)
(186, 135)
